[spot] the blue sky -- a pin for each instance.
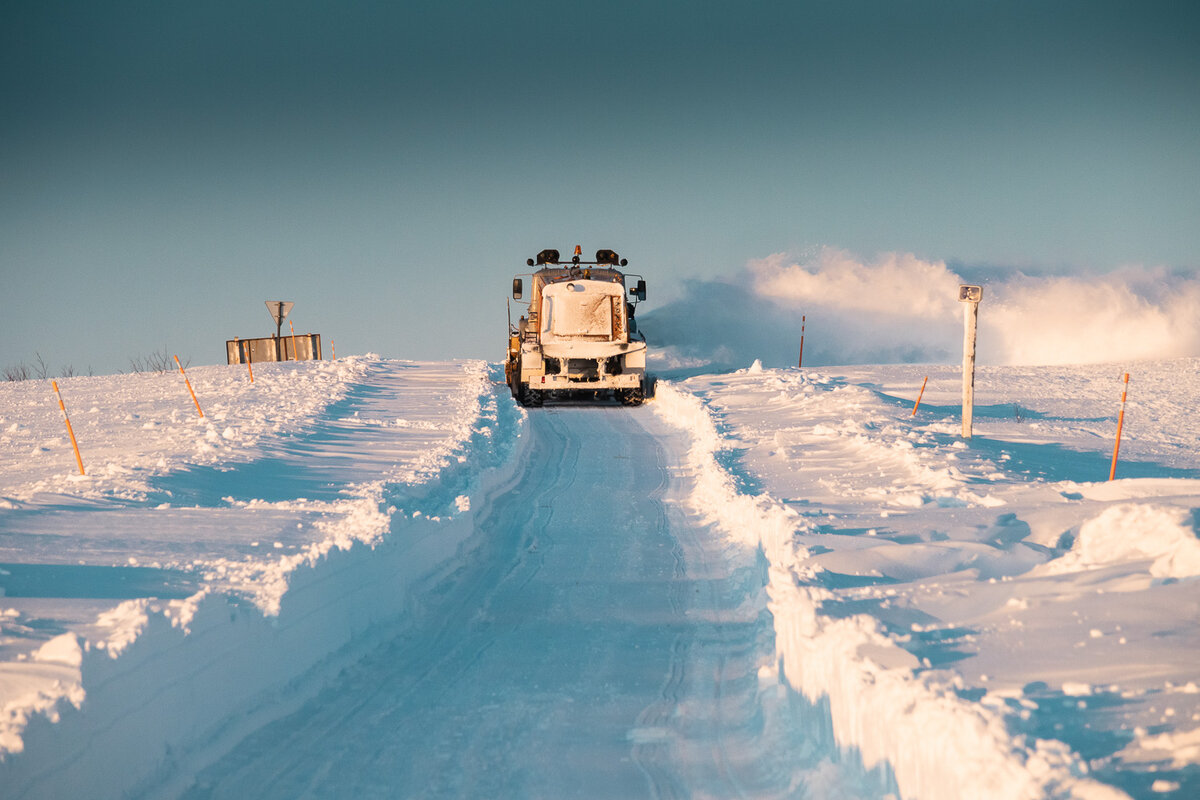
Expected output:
(165, 167)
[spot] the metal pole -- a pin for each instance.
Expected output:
(800, 361)
(278, 329)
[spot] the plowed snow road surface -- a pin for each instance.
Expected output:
(599, 643)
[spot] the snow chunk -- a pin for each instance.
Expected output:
(125, 624)
(1136, 532)
(1180, 748)
(63, 649)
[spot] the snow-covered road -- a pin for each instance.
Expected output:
(599, 642)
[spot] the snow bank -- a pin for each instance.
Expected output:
(1135, 533)
(150, 689)
(854, 315)
(937, 744)
(968, 555)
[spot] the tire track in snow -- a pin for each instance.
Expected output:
(582, 646)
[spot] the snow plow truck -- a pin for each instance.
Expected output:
(577, 338)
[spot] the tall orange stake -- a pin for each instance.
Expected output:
(71, 433)
(189, 385)
(249, 368)
(919, 396)
(333, 347)
(1112, 473)
(295, 352)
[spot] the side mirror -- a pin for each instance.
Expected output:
(640, 291)
(518, 288)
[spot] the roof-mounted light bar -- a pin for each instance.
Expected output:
(610, 257)
(544, 257)
(603, 258)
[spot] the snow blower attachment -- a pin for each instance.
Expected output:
(578, 337)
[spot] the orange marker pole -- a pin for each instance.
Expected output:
(71, 433)
(295, 352)
(249, 358)
(800, 361)
(919, 396)
(1112, 473)
(333, 347)
(189, 385)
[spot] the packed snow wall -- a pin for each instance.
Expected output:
(135, 699)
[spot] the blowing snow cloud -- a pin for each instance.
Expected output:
(902, 309)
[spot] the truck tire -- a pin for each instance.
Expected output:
(532, 398)
(632, 397)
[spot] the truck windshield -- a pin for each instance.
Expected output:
(577, 310)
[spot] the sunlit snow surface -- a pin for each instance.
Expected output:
(1004, 577)
(988, 618)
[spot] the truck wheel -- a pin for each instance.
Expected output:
(632, 397)
(532, 398)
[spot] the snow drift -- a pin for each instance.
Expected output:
(1136, 532)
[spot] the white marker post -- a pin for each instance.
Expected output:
(971, 295)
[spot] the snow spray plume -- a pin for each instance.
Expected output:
(902, 309)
